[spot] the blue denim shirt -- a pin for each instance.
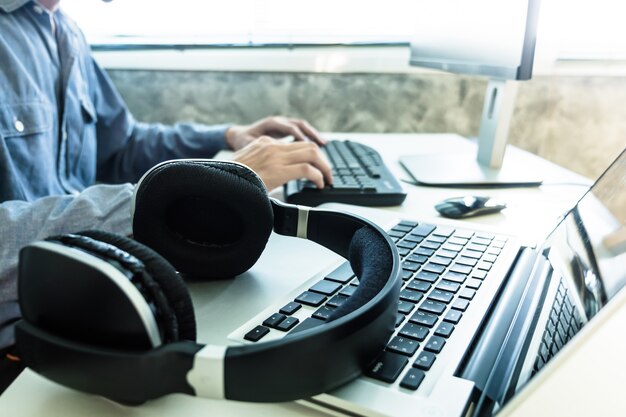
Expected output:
(63, 125)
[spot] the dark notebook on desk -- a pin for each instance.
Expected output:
(478, 315)
(360, 176)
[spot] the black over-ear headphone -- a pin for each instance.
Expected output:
(107, 315)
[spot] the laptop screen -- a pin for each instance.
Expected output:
(589, 246)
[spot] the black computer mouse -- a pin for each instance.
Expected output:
(468, 206)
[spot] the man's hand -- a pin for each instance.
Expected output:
(278, 162)
(238, 136)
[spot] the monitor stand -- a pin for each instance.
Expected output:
(486, 169)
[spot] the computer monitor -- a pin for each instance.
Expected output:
(491, 38)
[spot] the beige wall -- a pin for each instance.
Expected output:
(577, 122)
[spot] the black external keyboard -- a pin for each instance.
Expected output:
(359, 177)
(442, 269)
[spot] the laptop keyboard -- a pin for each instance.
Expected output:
(563, 323)
(442, 269)
(359, 177)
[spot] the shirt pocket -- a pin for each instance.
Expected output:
(24, 118)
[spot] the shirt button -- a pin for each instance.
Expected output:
(18, 125)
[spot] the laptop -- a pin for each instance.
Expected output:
(479, 314)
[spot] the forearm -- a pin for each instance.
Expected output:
(149, 144)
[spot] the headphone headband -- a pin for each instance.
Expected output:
(329, 354)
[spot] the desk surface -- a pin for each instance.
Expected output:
(531, 214)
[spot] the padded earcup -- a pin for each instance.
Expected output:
(176, 312)
(210, 219)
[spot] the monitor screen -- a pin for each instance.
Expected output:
(494, 38)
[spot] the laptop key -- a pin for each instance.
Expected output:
(387, 367)
(410, 295)
(405, 307)
(257, 333)
(414, 331)
(412, 379)
(439, 295)
(323, 313)
(325, 287)
(311, 299)
(444, 329)
(287, 324)
(424, 318)
(342, 274)
(290, 308)
(403, 345)
(418, 285)
(435, 344)
(274, 320)
(424, 360)
(453, 316)
(427, 276)
(460, 304)
(432, 306)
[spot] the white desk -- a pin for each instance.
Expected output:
(531, 214)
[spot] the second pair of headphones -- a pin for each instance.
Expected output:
(108, 315)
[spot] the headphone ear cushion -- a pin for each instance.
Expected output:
(210, 219)
(171, 284)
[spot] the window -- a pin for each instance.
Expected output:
(568, 29)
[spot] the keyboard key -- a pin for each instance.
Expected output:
(472, 254)
(403, 345)
(401, 228)
(452, 247)
(467, 293)
(408, 223)
(435, 344)
(423, 230)
(311, 299)
(478, 274)
(461, 269)
(481, 241)
(484, 266)
(441, 260)
(325, 287)
(290, 308)
(287, 324)
(410, 266)
(454, 277)
(342, 274)
(444, 329)
(414, 238)
(473, 283)
(418, 285)
(405, 307)
(439, 295)
(457, 241)
(475, 247)
(337, 300)
(407, 244)
(424, 360)
(424, 251)
(323, 313)
(424, 318)
(463, 260)
(412, 379)
(429, 244)
(444, 253)
(414, 331)
(443, 231)
(448, 286)
(489, 258)
(420, 259)
(463, 234)
(434, 268)
(427, 276)
(453, 316)
(347, 291)
(274, 320)
(257, 333)
(399, 319)
(460, 304)
(394, 233)
(387, 367)
(432, 306)
(403, 251)
(410, 295)
(406, 274)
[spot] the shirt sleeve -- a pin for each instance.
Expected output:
(127, 148)
(102, 207)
